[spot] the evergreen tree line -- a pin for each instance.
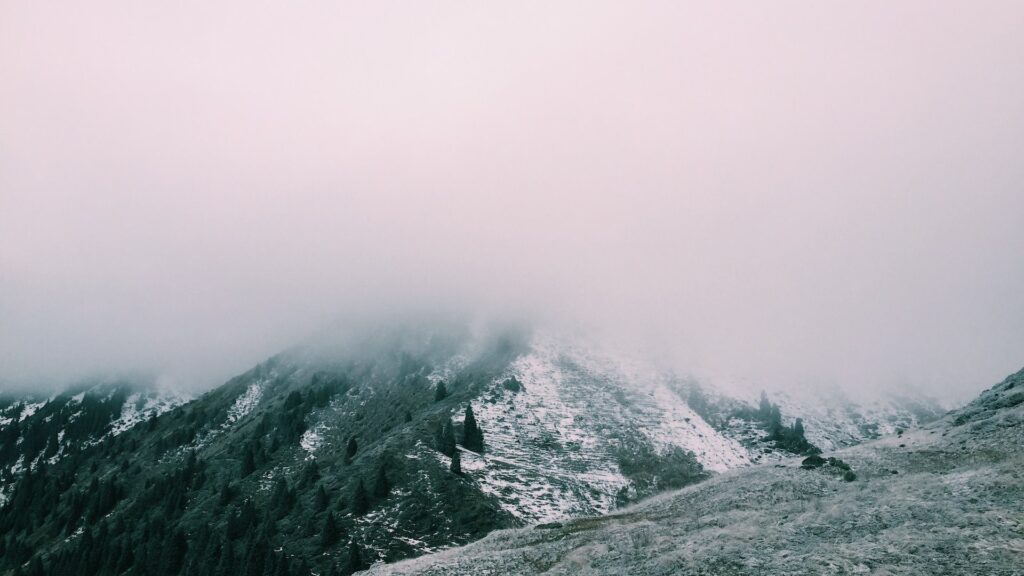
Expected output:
(159, 500)
(471, 438)
(60, 422)
(789, 438)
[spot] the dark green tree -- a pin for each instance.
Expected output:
(282, 499)
(283, 567)
(775, 422)
(329, 534)
(35, 568)
(355, 559)
(441, 392)
(310, 474)
(456, 466)
(445, 438)
(381, 486)
(227, 493)
(472, 435)
(360, 502)
(320, 500)
(764, 408)
(173, 556)
(248, 462)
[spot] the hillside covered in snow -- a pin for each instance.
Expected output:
(332, 459)
(941, 499)
(37, 431)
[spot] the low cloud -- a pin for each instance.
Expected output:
(817, 196)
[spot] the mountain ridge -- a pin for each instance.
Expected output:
(307, 436)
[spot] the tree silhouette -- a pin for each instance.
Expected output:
(355, 559)
(456, 466)
(360, 503)
(381, 486)
(472, 435)
(329, 534)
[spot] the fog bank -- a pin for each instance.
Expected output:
(798, 193)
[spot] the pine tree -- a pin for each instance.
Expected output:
(360, 503)
(227, 492)
(320, 501)
(352, 447)
(775, 422)
(798, 428)
(256, 556)
(248, 462)
(173, 556)
(439, 437)
(283, 566)
(36, 567)
(355, 558)
(329, 535)
(310, 474)
(226, 563)
(282, 499)
(446, 438)
(764, 408)
(381, 486)
(472, 435)
(441, 392)
(456, 466)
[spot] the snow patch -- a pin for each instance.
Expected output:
(246, 402)
(312, 439)
(138, 408)
(31, 409)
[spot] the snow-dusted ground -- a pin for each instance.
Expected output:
(30, 409)
(139, 408)
(551, 447)
(246, 402)
(312, 439)
(834, 421)
(944, 499)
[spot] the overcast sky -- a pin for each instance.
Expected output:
(809, 192)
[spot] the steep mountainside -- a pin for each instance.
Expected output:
(941, 499)
(36, 430)
(330, 460)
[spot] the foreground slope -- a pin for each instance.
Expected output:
(942, 499)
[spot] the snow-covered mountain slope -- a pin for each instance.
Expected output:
(35, 430)
(834, 421)
(352, 436)
(561, 420)
(942, 499)
(566, 418)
